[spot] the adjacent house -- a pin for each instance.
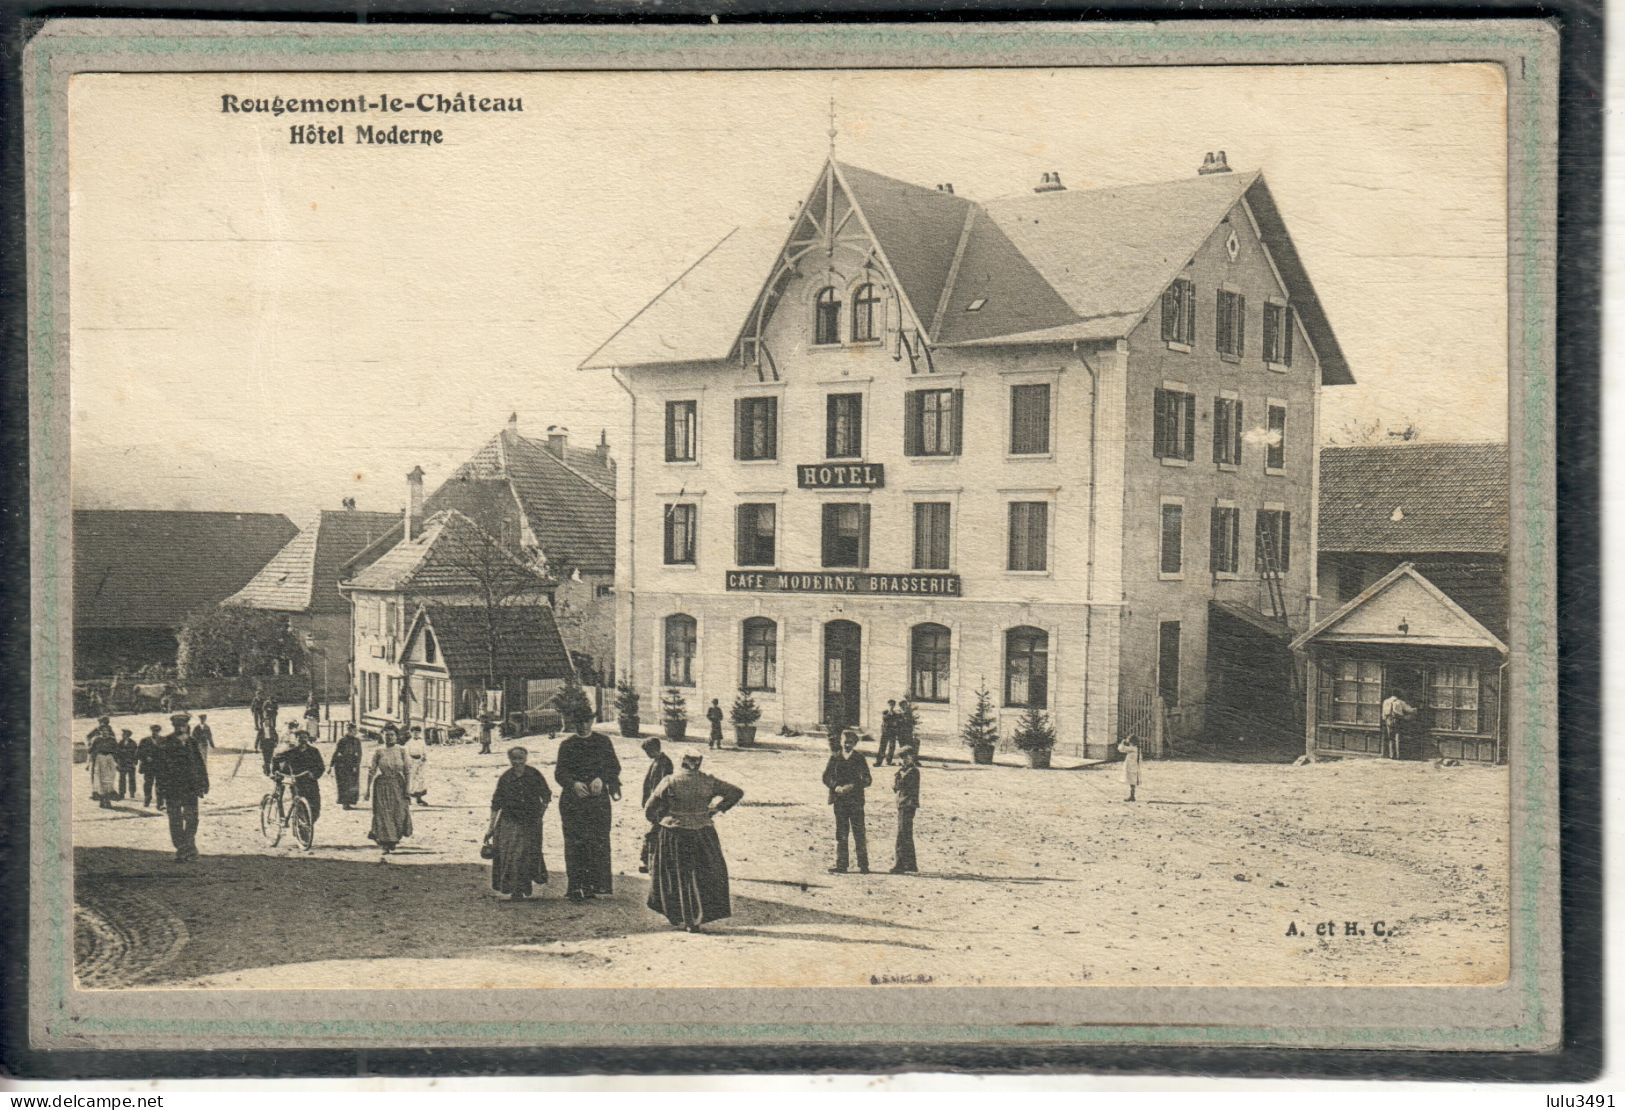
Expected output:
(1443, 507)
(457, 656)
(139, 574)
(918, 445)
(302, 582)
(446, 559)
(552, 506)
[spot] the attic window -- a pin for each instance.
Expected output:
(976, 305)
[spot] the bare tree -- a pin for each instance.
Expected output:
(1375, 432)
(499, 580)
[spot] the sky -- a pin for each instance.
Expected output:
(263, 326)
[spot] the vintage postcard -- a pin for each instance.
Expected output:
(890, 534)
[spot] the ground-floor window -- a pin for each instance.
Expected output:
(760, 659)
(1453, 699)
(929, 659)
(1351, 692)
(1026, 668)
(437, 699)
(680, 641)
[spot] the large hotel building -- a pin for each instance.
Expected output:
(1060, 446)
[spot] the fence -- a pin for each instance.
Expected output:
(1141, 714)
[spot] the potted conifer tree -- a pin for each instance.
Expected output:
(1035, 736)
(674, 715)
(626, 707)
(744, 714)
(574, 705)
(981, 732)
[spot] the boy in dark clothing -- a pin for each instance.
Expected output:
(714, 715)
(906, 785)
(659, 768)
(146, 758)
(888, 734)
(847, 776)
(126, 756)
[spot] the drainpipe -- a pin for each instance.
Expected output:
(1089, 564)
(1500, 710)
(632, 532)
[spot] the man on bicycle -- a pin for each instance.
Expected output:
(302, 765)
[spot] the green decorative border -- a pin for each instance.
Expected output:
(1530, 149)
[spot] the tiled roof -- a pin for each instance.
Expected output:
(145, 569)
(1049, 267)
(303, 577)
(451, 553)
(528, 643)
(1414, 498)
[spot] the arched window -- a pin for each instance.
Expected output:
(1026, 668)
(680, 640)
(827, 317)
(428, 645)
(760, 660)
(864, 301)
(928, 663)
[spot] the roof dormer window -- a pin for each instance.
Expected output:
(827, 317)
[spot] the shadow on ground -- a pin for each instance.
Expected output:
(257, 911)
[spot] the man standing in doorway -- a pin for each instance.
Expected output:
(847, 777)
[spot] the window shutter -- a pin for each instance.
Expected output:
(1190, 426)
(1270, 352)
(1241, 324)
(1214, 562)
(1286, 338)
(772, 437)
(1170, 312)
(959, 420)
(855, 419)
(1221, 427)
(1236, 426)
(670, 511)
(828, 535)
(743, 518)
(1286, 541)
(1190, 313)
(911, 423)
(831, 407)
(1159, 423)
(739, 428)
(1221, 321)
(863, 535)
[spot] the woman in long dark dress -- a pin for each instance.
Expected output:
(689, 877)
(521, 798)
(386, 787)
(347, 768)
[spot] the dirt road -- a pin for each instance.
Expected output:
(1218, 875)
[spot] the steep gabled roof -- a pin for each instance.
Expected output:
(451, 553)
(1047, 267)
(145, 569)
(528, 642)
(304, 576)
(1415, 498)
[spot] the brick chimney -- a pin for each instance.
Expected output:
(558, 438)
(946, 187)
(1049, 182)
(348, 504)
(603, 447)
(413, 520)
(1214, 163)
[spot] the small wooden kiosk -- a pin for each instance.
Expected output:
(1403, 636)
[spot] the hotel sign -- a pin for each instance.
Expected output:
(859, 475)
(844, 582)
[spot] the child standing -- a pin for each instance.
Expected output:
(1130, 747)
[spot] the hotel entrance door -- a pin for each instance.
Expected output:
(842, 684)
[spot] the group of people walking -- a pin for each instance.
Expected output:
(173, 769)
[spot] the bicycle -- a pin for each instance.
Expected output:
(276, 816)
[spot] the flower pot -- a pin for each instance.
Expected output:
(744, 735)
(677, 730)
(629, 727)
(1038, 757)
(982, 753)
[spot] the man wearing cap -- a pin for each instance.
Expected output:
(847, 777)
(203, 734)
(146, 759)
(125, 757)
(183, 776)
(303, 766)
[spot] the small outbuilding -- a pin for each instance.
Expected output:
(463, 660)
(1403, 636)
